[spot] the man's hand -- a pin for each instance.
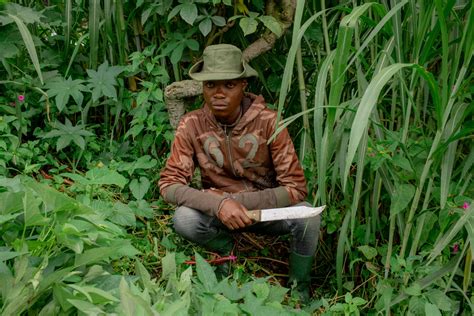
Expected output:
(233, 215)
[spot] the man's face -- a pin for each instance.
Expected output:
(224, 98)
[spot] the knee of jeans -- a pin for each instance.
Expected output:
(308, 224)
(185, 221)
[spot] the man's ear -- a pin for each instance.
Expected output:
(244, 84)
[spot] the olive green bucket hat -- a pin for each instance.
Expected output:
(221, 62)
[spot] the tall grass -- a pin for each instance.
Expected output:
(379, 93)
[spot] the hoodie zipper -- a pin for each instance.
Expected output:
(231, 159)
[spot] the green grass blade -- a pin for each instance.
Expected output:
(430, 279)
(74, 53)
(321, 147)
(290, 61)
(94, 25)
(109, 33)
(367, 104)
(444, 241)
(444, 76)
(340, 250)
(120, 31)
(447, 163)
(358, 181)
(375, 31)
(68, 22)
(30, 46)
(344, 40)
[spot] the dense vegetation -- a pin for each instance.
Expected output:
(377, 95)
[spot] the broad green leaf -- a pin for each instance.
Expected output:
(127, 303)
(440, 299)
(64, 89)
(184, 283)
(358, 301)
(205, 273)
(53, 200)
(27, 14)
(7, 255)
(94, 255)
(144, 276)
(261, 290)
(277, 294)
(70, 238)
(122, 215)
(118, 249)
(62, 142)
(61, 295)
(248, 25)
(272, 24)
(369, 252)
(104, 176)
(142, 208)
(174, 11)
(205, 26)
(218, 20)
(432, 310)
(416, 305)
(179, 307)
(76, 178)
(168, 266)
(177, 53)
(231, 290)
(401, 198)
(139, 188)
(103, 81)
(9, 217)
(68, 133)
(14, 186)
(135, 130)
(86, 307)
(94, 294)
(189, 12)
(348, 297)
(414, 290)
(8, 42)
(131, 303)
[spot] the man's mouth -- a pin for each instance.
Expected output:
(219, 105)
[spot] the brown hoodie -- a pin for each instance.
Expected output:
(238, 160)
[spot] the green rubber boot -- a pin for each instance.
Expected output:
(299, 276)
(223, 246)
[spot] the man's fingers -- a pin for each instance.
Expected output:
(233, 215)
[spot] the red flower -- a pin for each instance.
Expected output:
(465, 205)
(21, 98)
(455, 248)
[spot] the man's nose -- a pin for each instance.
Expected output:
(219, 92)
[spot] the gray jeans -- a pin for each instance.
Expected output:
(207, 230)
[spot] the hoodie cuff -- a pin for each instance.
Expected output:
(205, 202)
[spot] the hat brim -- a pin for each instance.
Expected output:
(196, 74)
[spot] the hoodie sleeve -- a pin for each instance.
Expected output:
(290, 175)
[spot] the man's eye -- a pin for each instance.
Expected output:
(230, 85)
(209, 85)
